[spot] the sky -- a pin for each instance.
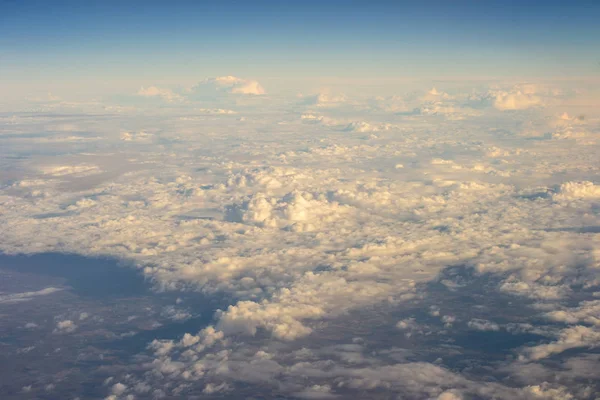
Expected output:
(115, 42)
(299, 200)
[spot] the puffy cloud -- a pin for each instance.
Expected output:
(324, 99)
(165, 94)
(211, 388)
(434, 95)
(136, 136)
(483, 325)
(118, 389)
(295, 225)
(175, 314)
(545, 391)
(295, 211)
(312, 297)
(346, 126)
(587, 311)
(408, 323)
(228, 84)
(449, 395)
(316, 392)
(569, 338)
(519, 98)
(215, 111)
(577, 190)
(65, 326)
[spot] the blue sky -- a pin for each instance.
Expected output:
(185, 40)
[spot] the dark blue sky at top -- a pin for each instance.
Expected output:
(487, 35)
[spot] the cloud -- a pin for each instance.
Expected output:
(228, 84)
(212, 388)
(434, 96)
(294, 225)
(316, 392)
(136, 136)
(569, 338)
(215, 111)
(324, 99)
(118, 389)
(65, 326)
(584, 190)
(483, 325)
(26, 296)
(519, 98)
(72, 170)
(175, 314)
(449, 395)
(164, 94)
(344, 125)
(587, 312)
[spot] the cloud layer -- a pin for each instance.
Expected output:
(309, 219)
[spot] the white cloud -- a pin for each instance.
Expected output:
(577, 190)
(165, 94)
(587, 312)
(136, 136)
(297, 224)
(72, 170)
(228, 84)
(212, 388)
(324, 99)
(316, 392)
(175, 314)
(215, 111)
(449, 395)
(434, 95)
(544, 391)
(483, 325)
(26, 296)
(65, 326)
(519, 98)
(118, 389)
(569, 338)
(346, 126)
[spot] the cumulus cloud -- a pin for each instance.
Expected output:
(295, 224)
(587, 312)
(449, 395)
(577, 190)
(324, 99)
(118, 389)
(215, 111)
(434, 95)
(65, 326)
(518, 98)
(569, 338)
(136, 136)
(164, 94)
(483, 325)
(316, 392)
(346, 126)
(228, 84)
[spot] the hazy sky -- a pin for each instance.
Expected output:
(108, 43)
